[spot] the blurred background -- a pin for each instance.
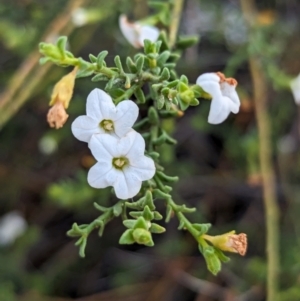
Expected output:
(43, 186)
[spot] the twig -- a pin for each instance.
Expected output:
(176, 15)
(267, 171)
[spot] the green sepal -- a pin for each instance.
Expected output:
(163, 57)
(127, 84)
(61, 44)
(100, 58)
(165, 74)
(127, 238)
(173, 74)
(186, 42)
(169, 213)
(157, 193)
(92, 58)
(152, 56)
(129, 223)
(221, 255)
(69, 54)
(153, 116)
(118, 208)
(212, 260)
(139, 94)
(183, 105)
(143, 237)
(131, 65)
(155, 228)
(182, 87)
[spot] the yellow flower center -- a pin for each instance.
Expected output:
(107, 125)
(120, 163)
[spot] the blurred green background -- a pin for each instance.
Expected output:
(43, 171)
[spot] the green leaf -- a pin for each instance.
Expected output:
(140, 64)
(61, 44)
(131, 65)
(157, 216)
(148, 214)
(163, 57)
(127, 238)
(166, 178)
(165, 75)
(100, 77)
(129, 223)
(186, 42)
(100, 58)
(153, 116)
(184, 79)
(149, 200)
(160, 102)
(202, 228)
(139, 94)
(119, 64)
(44, 60)
(82, 248)
(117, 209)
(169, 213)
(93, 58)
(136, 214)
(100, 208)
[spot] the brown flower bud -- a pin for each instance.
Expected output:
(57, 115)
(230, 242)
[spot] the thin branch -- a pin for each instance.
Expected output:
(176, 15)
(265, 156)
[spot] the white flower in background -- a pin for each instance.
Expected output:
(136, 33)
(121, 164)
(79, 17)
(104, 117)
(224, 96)
(12, 225)
(295, 86)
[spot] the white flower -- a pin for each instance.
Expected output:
(121, 164)
(12, 225)
(104, 117)
(295, 86)
(136, 33)
(224, 96)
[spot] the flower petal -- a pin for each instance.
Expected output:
(102, 175)
(104, 147)
(219, 109)
(126, 115)
(83, 127)
(295, 87)
(130, 31)
(143, 168)
(211, 76)
(99, 105)
(229, 91)
(127, 185)
(148, 32)
(132, 145)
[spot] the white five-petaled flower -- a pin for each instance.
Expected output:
(136, 33)
(295, 87)
(12, 225)
(103, 117)
(121, 164)
(224, 97)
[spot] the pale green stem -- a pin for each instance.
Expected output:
(265, 156)
(176, 15)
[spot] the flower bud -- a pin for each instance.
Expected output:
(230, 242)
(142, 236)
